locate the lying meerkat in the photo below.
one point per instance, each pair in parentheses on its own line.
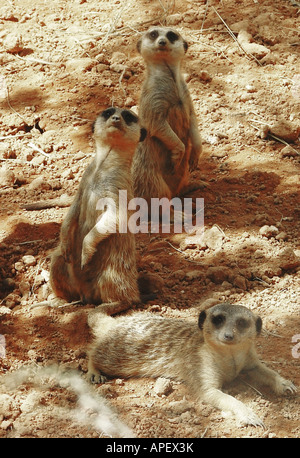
(203,355)
(94,262)
(161,165)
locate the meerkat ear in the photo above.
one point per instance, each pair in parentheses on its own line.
(143,134)
(258,325)
(185,46)
(138,45)
(93,126)
(201,319)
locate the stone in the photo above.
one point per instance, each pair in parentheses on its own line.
(245,39)
(7,177)
(288,260)
(163,386)
(213,238)
(13,43)
(29,260)
(285,130)
(268,231)
(218,274)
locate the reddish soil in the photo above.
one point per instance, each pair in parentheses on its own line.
(61,64)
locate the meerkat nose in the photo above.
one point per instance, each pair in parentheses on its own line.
(162,42)
(115,118)
(228,337)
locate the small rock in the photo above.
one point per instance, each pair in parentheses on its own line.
(31,402)
(13,43)
(281,236)
(288,260)
(245,39)
(204,76)
(193,274)
(80,64)
(19,266)
(285,130)
(39,160)
(5,404)
(268,231)
(29,260)
(288,151)
(163,386)
(240,282)
(67,174)
(39,183)
(218,274)
(7,177)
(24,288)
(213,238)
(179,407)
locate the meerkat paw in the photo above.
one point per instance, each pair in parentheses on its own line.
(86,255)
(96,377)
(248,417)
(284,386)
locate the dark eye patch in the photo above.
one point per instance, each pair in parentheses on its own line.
(172,36)
(153,34)
(129,117)
(242,323)
(218,320)
(106,114)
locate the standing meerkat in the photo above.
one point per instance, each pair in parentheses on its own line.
(162,164)
(203,355)
(94,262)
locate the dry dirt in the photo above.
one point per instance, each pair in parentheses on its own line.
(61,64)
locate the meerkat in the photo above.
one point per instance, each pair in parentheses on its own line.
(204,355)
(95,262)
(161,166)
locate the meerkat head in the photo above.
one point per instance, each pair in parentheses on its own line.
(119,129)
(162,43)
(228,324)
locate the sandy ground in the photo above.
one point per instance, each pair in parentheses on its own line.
(61,64)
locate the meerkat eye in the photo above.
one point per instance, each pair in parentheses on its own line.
(218,320)
(153,35)
(128,117)
(106,114)
(172,36)
(242,323)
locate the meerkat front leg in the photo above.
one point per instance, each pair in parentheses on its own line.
(105,226)
(227,403)
(172,142)
(68,228)
(196,143)
(261,374)
(212,394)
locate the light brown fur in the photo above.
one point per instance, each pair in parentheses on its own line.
(94,262)
(204,356)
(162,164)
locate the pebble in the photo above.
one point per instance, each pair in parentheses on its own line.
(285,130)
(268,231)
(288,260)
(288,151)
(80,64)
(245,39)
(7,177)
(163,386)
(13,43)
(213,238)
(29,260)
